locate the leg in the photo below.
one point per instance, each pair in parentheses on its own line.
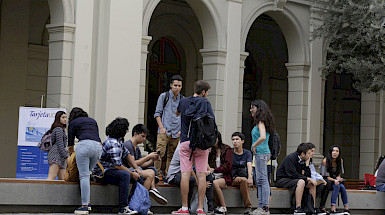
(161,144)
(53,171)
(121,178)
(299,192)
(83,163)
(149,176)
(312,191)
(344,196)
(186,168)
(244,188)
(172,144)
(210,193)
(336,190)
(61,174)
(324,195)
(201,188)
(262,180)
(220,184)
(201,158)
(184,188)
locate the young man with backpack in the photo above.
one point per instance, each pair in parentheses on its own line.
(168,121)
(191,110)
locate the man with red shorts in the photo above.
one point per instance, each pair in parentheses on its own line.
(192,108)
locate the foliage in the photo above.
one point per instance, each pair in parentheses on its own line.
(354,31)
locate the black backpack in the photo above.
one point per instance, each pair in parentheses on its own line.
(203,133)
(274,145)
(167,97)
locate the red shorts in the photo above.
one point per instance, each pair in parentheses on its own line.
(200,157)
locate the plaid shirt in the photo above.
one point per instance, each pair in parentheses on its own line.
(113,154)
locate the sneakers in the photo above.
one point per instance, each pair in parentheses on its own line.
(127,211)
(154,193)
(257,211)
(82,210)
(220,210)
(150,212)
(248,211)
(181,212)
(319,211)
(335,212)
(89,207)
(299,211)
(347,212)
(200,212)
(210,213)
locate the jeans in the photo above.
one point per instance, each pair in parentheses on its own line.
(337,189)
(381,188)
(88,153)
(121,178)
(262,182)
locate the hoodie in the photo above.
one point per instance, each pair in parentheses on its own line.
(192,108)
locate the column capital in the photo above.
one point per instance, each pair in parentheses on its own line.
(244,55)
(213,52)
(298,70)
(61,28)
(279,4)
(146,40)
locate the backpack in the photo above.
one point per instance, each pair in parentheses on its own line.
(139,199)
(72,173)
(46,142)
(274,145)
(203,132)
(307,202)
(167,97)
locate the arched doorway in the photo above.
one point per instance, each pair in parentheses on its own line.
(342,120)
(164,62)
(265,75)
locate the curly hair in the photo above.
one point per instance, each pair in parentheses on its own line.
(264,115)
(118,128)
(57,122)
(77,112)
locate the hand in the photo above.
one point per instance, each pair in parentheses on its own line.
(250,182)
(139,171)
(211,170)
(178,134)
(208,184)
(324,182)
(336,182)
(162,130)
(153,156)
(254,150)
(135,176)
(313,182)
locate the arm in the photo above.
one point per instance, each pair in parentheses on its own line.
(134,175)
(250,173)
(228,165)
(131,161)
(162,130)
(262,137)
(71,138)
(158,113)
(59,141)
(291,171)
(148,160)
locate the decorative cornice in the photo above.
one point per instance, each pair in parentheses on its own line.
(146,40)
(279,4)
(61,28)
(244,55)
(213,52)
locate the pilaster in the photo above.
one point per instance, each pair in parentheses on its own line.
(243,57)
(143,73)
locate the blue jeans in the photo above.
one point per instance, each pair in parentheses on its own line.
(121,178)
(262,180)
(337,189)
(381,188)
(88,153)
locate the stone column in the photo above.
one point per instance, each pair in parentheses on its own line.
(369,132)
(297,118)
(61,38)
(240,91)
(143,74)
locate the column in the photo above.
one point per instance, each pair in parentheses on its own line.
(240,91)
(298,80)
(369,132)
(143,74)
(82,79)
(61,38)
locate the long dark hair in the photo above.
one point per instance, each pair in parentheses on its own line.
(118,128)
(213,152)
(329,160)
(77,112)
(379,161)
(57,122)
(264,115)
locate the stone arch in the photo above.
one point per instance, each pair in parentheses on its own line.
(297,42)
(62,11)
(208,16)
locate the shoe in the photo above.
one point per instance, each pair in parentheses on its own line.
(335,212)
(299,211)
(220,210)
(200,212)
(319,211)
(89,207)
(210,213)
(150,212)
(82,210)
(127,211)
(257,211)
(248,211)
(157,179)
(154,193)
(347,212)
(181,212)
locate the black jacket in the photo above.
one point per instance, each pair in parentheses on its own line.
(292,168)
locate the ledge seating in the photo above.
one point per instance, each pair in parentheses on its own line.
(21,195)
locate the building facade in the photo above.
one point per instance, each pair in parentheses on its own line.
(114,57)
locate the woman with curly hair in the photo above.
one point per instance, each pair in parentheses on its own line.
(113,156)
(88,151)
(263,127)
(58,154)
(332,167)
